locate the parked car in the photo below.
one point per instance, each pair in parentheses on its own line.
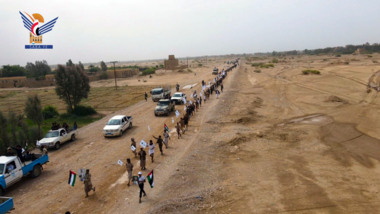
(54,138)
(177,97)
(117,125)
(12,169)
(164,107)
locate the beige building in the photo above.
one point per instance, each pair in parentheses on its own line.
(171,63)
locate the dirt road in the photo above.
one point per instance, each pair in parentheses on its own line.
(274,142)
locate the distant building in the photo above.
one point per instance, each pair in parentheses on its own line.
(171,63)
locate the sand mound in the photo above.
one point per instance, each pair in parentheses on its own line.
(335,99)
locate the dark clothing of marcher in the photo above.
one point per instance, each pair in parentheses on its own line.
(160,143)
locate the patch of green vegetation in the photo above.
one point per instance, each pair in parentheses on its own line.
(275,60)
(309,71)
(257,71)
(148,71)
(262,65)
(67,118)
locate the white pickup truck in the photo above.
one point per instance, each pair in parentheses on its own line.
(54,138)
(117,125)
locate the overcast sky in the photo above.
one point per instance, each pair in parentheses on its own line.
(92,30)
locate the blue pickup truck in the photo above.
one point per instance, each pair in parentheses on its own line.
(6,204)
(12,170)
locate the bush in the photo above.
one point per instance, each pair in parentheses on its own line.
(274,60)
(262,65)
(200,65)
(49,112)
(148,71)
(257,71)
(103,75)
(307,72)
(83,110)
(34,135)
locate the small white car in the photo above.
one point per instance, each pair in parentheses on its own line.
(178,98)
(117,125)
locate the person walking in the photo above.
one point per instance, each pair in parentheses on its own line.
(159,142)
(141,185)
(129,166)
(166,139)
(133,143)
(142,155)
(178,127)
(221,87)
(217,93)
(146,96)
(151,150)
(87,183)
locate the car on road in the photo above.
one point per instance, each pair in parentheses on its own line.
(117,125)
(178,97)
(215,71)
(12,169)
(160,93)
(54,138)
(164,107)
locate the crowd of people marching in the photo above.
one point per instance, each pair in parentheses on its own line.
(191,107)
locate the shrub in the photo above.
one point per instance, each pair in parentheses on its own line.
(49,112)
(274,60)
(200,64)
(338,55)
(257,71)
(80,110)
(262,65)
(148,71)
(103,75)
(34,134)
(306,72)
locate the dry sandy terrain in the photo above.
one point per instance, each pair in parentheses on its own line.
(274,142)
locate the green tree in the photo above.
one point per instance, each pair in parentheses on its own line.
(33,110)
(69,63)
(38,70)
(93,69)
(81,65)
(3,132)
(12,71)
(72,85)
(103,66)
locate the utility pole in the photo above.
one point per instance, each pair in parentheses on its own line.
(114,73)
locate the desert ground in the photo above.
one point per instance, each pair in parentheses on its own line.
(276,141)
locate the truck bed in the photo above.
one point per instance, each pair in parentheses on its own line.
(29,165)
(6,204)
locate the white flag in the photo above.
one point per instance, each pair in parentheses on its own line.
(190,102)
(143,144)
(172,120)
(177,113)
(133,148)
(120,162)
(38,143)
(184,100)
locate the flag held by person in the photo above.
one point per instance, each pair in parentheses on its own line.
(150,179)
(166,128)
(72,178)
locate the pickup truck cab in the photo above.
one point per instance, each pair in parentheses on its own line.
(164,107)
(117,125)
(177,97)
(215,71)
(160,93)
(54,138)
(12,170)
